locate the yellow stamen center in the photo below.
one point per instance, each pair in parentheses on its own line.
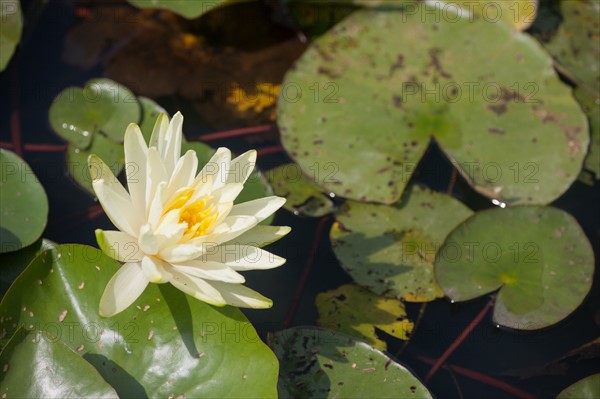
(198,215)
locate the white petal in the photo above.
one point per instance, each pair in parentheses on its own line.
(157,205)
(113,197)
(209,271)
(147,240)
(183,175)
(197,288)
(260,208)
(215,168)
(242,257)
(118,245)
(240,296)
(156,174)
(227,193)
(183,252)
(231,227)
(136,153)
(259,236)
(123,289)
(155,270)
(170,231)
(172,148)
(241,167)
(157,139)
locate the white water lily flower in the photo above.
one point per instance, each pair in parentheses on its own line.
(179,227)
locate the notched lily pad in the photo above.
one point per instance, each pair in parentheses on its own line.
(370,104)
(303,196)
(317,363)
(163,336)
(391,249)
(55,371)
(358,312)
(23,204)
(537,257)
(101,107)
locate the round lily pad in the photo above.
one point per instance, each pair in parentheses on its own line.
(23,204)
(77,160)
(55,371)
(317,363)
(587,388)
(185,8)
(391,249)
(355,311)
(303,196)
(590,103)
(166,343)
(537,257)
(101,107)
(369,95)
(10,34)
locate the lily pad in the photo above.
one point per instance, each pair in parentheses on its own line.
(391,249)
(537,257)
(370,104)
(102,106)
(185,8)
(357,312)
(317,363)
(55,371)
(23,204)
(13,263)
(590,103)
(576,44)
(303,196)
(77,160)
(519,14)
(587,388)
(165,344)
(10,34)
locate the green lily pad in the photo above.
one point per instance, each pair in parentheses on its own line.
(538,257)
(185,8)
(77,160)
(519,14)
(23,204)
(37,365)
(317,363)
(13,263)
(357,312)
(587,388)
(303,196)
(150,112)
(102,106)
(590,103)
(10,34)
(391,249)
(165,344)
(370,104)
(576,44)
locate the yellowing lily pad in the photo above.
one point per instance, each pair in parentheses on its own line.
(10,34)
(370,94)
(391,249)
(165,336)
(303,196)
(358,312)
(537,257)
(317,363)
(101,107)
(54,370)
(23,204)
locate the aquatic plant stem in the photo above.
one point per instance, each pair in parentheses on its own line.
(15,119)
(459,340)
(484,379)
(291,313)
(237,132)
